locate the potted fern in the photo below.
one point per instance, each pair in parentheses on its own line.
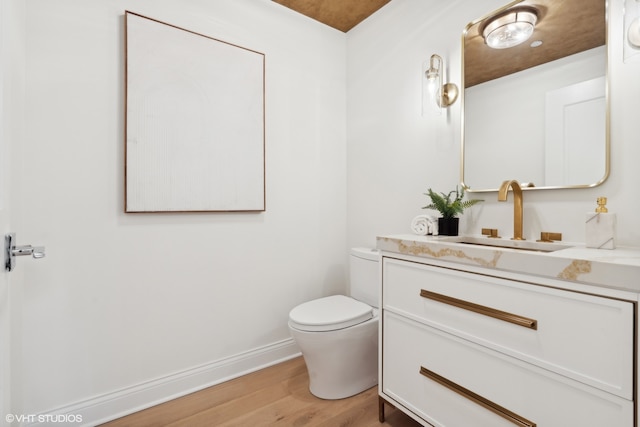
(449,207)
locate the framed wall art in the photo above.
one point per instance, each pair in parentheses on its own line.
(195,138)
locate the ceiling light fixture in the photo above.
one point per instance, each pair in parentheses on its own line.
(510,29)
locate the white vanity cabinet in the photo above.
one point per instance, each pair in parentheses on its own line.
(467,346)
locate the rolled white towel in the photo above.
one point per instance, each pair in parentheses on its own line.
(424,224)
(420,225)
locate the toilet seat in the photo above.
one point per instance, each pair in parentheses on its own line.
(329,314)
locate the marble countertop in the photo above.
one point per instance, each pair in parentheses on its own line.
(612,268)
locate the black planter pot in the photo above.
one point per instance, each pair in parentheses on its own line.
(448,226)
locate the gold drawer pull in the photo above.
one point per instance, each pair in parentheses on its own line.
(487,311)
(493,407)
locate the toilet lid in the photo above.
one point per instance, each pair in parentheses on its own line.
(329,314)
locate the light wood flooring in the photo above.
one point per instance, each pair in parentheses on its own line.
(275,396)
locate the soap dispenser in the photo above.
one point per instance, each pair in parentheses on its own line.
(600,230)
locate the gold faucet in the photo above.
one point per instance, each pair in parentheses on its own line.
(517,205)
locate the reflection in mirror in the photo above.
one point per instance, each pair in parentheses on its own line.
(537,112)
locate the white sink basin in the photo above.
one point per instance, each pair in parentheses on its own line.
(526,245)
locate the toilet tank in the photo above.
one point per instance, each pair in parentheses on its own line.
(364,282)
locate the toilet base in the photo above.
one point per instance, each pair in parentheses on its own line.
(340,363)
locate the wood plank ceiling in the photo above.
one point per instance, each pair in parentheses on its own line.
(564,27)
(342,15)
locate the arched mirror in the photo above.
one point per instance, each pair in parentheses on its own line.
(537,111)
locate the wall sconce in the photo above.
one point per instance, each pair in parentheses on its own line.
(443,94)
(511,28)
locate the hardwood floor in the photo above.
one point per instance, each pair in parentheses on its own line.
(275,396)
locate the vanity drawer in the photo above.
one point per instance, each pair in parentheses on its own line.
(584,337)
(451,382)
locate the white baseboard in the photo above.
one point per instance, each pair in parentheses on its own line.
(126,401)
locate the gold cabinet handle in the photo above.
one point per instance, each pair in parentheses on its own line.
(481,309)
(486,403)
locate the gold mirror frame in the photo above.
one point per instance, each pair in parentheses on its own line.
(474,25)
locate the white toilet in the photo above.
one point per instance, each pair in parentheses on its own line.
(338,335)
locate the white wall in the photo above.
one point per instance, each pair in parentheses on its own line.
(125,299)
(395,154)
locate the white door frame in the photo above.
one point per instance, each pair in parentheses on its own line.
(12,71)
(5,300)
